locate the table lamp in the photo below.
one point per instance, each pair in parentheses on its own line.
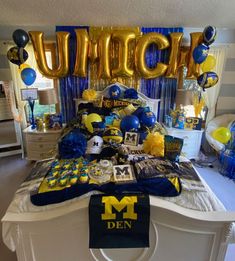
(183,97)
(47,97)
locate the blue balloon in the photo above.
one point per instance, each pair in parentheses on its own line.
(20,37)
(130,123)
(28,76)
(200,53)
(147,119)
(114,92)
(209,34)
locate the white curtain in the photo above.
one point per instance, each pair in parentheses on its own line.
(211,94)
(18,84)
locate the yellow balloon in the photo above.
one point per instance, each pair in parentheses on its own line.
(209,64)
(162,43)
(93,117)
(23,66)
(63,54)
(222,134)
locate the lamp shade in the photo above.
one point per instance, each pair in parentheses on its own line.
(183,97)
(47,96)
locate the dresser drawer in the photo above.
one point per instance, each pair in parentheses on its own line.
(192,141)
(41,146)
(48,137)
(39,155)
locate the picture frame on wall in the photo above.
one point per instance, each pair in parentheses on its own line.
(29,93)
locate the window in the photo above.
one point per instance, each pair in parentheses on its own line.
(197,99)
(42,82)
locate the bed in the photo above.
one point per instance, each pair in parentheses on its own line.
(191,226)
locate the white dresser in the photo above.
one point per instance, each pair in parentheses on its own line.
(192,141)
(41,144)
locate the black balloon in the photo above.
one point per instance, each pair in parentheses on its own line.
(17,55)
(20,37)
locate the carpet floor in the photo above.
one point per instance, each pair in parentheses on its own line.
(13,170)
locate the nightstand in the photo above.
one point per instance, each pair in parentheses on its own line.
(192,141)
(41,144)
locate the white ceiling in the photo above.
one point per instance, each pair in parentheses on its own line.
(45,14)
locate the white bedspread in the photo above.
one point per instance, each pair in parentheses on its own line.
(20,209)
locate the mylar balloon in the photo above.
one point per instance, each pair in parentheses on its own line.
(221,134)
(208,64)
(28,76)
(200,53)
(17,55)
(209,35)
(20,37)
(207,79)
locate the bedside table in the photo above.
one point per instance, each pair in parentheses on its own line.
(41,144)
(192,141)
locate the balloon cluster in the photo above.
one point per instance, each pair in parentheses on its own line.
(207,62)
(18,55)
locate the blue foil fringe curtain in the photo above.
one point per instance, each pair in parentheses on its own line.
(71,87)
(160,88)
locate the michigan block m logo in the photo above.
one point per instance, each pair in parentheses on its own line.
(111,202)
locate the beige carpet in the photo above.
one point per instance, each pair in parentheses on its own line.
(13,170)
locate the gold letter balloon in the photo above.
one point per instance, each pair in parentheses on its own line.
(142,45)
(172,69)
(123,38)
(63,54)
(80,68)
(104,56)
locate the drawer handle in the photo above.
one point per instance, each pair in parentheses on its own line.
(185,137)
(39,138)
(41,146)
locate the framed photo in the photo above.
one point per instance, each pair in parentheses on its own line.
(123,173)
(131,138)
(29,93)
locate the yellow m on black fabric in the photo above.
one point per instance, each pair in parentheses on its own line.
(119,221)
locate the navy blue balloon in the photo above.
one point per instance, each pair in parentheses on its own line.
(200,53)
(130,123)
(114,92)
(20,37)
(17,55)
(28,76)
(209,34)
(207,79)
(147,119)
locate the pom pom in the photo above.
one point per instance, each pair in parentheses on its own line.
(89,95)
(73,145)
(154,144)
